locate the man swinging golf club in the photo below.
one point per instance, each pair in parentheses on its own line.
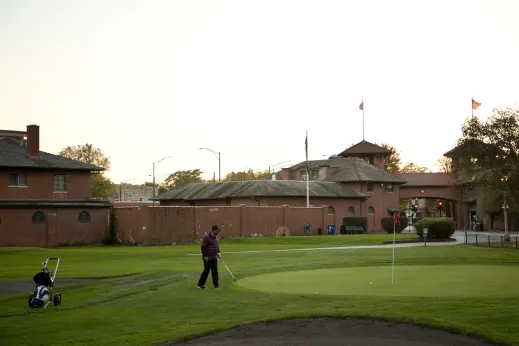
(210,252)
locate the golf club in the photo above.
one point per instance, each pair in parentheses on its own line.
(221,259)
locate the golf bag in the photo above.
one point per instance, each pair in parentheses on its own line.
(41,293)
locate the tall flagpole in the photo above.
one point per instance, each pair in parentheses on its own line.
(362,118)
(472,105)
(307,174)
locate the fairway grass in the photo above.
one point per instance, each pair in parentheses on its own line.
(463,281)
(148,296)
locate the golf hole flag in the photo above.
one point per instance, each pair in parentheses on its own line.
(396,220)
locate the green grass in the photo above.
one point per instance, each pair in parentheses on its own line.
(160,302)
(462,281)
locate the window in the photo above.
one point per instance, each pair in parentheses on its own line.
(84,216)
(370,187)
(351,211)
(389,187)
(371,211)
(17,179)
(315,174)
(331,211)
(302,175)
(60,183)
(39,217)
(291,176)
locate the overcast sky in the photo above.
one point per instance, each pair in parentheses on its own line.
(143,80)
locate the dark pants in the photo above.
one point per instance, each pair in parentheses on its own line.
(211,265)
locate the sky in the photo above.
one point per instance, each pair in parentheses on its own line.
(144,80)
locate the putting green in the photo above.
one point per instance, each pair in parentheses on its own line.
(426,281)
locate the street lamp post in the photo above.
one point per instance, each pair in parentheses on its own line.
(277,164)
(505,211)
(155,164)
(217,154)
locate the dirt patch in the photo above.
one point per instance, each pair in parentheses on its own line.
(27,286)
(335,332)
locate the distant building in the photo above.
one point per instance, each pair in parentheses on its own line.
(131,193)
(45,199)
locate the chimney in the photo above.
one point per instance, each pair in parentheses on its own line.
(33,141)
(273,176)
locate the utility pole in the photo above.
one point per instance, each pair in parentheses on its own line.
(218,156)
(155,164)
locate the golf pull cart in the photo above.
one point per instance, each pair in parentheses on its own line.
(44,292)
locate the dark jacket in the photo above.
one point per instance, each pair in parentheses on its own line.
(210,246)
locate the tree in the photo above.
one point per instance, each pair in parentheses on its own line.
(245,175)
(414,168)
(491,156)
(182,178)
(444,164)
(87,153)
(392,162)
(101,186)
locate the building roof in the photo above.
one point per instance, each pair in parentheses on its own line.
(428,179)
(365,148)
(259,188)
(13,155)
(351,169)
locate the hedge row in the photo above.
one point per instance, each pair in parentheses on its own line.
(438,227)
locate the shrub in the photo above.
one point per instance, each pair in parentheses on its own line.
(354,221)
(387,224)
(438,227)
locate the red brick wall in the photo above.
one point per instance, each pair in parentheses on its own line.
(40,186)
(167,225)
(61,227)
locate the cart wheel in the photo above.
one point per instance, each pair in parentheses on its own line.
(57,299)
(30,299)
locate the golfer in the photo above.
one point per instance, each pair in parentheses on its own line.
(210,253)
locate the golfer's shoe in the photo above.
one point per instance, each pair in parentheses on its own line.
(217,288)
(200,287)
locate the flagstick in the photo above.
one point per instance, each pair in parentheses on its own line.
(307,176)
(393,265)
(472,105)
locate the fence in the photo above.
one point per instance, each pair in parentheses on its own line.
(491,240)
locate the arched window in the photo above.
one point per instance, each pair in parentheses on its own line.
(84,216)
(39,217)
(371,211)
(331,211)
(351,211)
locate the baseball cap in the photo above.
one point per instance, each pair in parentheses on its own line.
(215,228)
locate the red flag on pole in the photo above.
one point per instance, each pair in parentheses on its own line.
(396,220)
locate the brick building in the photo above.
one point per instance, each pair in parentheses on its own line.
(372,191)
(45,199)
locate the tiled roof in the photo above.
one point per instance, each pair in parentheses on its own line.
(365,148)
(428,179)
(259,188)
(15,156)
(351,169)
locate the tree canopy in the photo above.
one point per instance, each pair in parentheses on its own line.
(249,174)
(87,153)
(490,155)
(182,178)
(392,162)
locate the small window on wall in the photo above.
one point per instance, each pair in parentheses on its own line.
(60,183)
(371,211)
(331,211)
(369,187)
(17,179)
(315,174)
(39,217)
(351,211)
(389,187)
(84,216)
(291,176)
